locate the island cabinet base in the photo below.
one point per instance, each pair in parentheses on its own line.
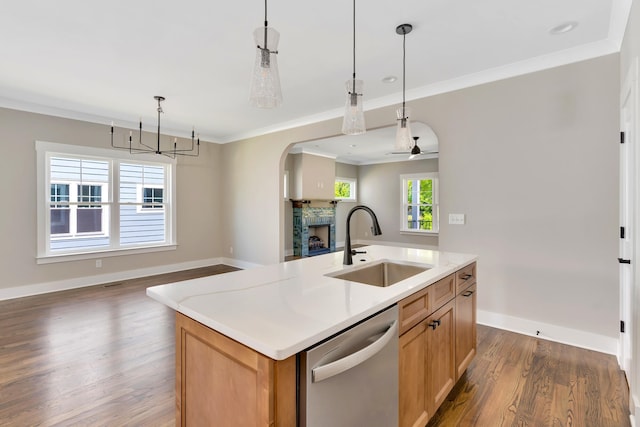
(220,382)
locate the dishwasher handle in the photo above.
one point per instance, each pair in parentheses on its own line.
(329,370)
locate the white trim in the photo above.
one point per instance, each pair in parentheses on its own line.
(245,265)
(561,334)
(103,253)
(81,282)
(399,244)
(435,202)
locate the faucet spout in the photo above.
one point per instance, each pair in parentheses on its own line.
(375,229)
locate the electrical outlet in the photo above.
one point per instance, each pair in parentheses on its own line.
(366,234)
(98,263)
(231,250)
(456,219)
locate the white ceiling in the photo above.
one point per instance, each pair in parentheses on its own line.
(103,61)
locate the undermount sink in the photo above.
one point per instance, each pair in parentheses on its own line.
(382,274)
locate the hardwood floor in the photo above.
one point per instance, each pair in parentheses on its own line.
(516,380)
(97,356)
(104,356)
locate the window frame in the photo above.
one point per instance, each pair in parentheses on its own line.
(46,150)
(404,203)
(353,184)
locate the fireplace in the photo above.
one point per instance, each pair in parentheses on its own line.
(314,228)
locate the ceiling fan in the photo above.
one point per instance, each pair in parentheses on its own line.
(415,151)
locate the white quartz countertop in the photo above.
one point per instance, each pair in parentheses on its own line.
(282,309)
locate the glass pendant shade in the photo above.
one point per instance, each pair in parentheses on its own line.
(265,83)
(353,123)
(404,141)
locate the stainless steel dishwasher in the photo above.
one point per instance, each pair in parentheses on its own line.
(351,379)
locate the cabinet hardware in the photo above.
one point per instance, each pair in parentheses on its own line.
(624,261)
(467,294)
(433,325)
(466,276)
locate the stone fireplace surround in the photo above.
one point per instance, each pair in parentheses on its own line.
(308,217)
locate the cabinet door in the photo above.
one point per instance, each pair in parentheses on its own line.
(412,381)
(220,382)
(465,329)
(441,369)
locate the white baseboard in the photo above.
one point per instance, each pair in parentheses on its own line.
(245,265)
(547,331)
(635,410)
(400,244)
(80,282)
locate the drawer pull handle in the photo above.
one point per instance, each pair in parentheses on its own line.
(466,276)
(467,294)
(433,325)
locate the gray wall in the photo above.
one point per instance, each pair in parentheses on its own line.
(380,189)
(197,186)
(531,161)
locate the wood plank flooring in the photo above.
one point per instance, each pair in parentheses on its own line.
(96,356)
(516,380)
(104,356)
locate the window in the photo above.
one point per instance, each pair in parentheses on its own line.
(97,202)
(152,197)
(345,189)
(420,203)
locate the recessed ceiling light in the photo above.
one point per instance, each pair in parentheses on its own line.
(353,146)
(565,27)
(389,79)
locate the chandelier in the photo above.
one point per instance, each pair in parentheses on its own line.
(141,147)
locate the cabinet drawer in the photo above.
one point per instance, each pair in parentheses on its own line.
(443,291)
(414,308)
(465,276)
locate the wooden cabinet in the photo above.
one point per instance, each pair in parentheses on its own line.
(441,368)
(465,328)
(427,341)
(414,401)
(437,343)
(224,383)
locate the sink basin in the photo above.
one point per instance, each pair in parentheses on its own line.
(384,273)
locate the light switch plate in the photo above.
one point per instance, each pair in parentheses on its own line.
(456,219)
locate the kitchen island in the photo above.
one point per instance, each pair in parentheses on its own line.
(254,322)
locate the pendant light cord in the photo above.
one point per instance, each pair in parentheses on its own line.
(404,66)
(354,45)
(266,24)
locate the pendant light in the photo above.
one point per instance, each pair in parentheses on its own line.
(265,83)
(353,123)
(403,134)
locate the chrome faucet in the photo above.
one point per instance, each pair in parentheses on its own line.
(375,229)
